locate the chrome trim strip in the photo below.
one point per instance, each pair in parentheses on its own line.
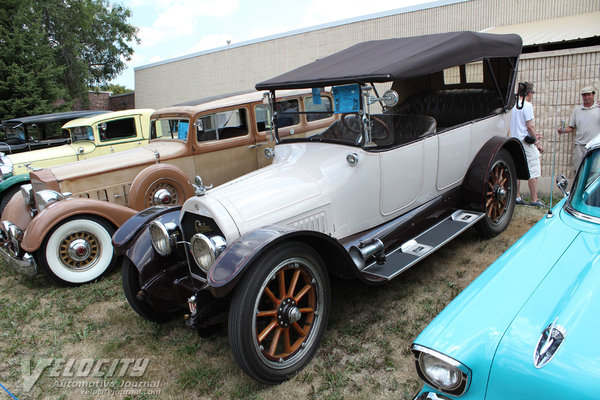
(430,396)
(26,266)
(579,215)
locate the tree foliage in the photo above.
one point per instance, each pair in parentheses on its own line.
(55,49)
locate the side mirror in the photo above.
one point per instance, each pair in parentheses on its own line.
(102,126)
(563,185)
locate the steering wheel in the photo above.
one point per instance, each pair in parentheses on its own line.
(356,129)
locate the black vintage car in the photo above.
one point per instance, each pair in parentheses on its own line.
(38,131)
(396,177)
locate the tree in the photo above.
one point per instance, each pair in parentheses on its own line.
(56,49)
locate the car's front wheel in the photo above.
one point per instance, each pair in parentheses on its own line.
(279,313)
(78,250)
(131,286)
(499,195)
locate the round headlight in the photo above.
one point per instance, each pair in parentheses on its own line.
(440,373)
(160,238)
(205,250)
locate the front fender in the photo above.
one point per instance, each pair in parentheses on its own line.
(123,237)
(20,179)
(42,223)
(474,184)
(241,254)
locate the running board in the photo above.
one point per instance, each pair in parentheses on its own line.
(416,249)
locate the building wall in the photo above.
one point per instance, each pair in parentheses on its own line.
(240,67)
(558,77)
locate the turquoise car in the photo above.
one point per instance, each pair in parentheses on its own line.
(528,327)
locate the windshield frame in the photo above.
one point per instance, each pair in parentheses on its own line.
(583,182)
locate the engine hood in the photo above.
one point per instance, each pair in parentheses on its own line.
(121,160)
(45,157)
(270,195)
(471,328)
(569,296)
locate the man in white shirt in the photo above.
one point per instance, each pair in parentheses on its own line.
(585,120)
(523,128)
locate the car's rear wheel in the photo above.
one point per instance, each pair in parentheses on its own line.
(78,250)
(279,313)
(499,195)
(131,286)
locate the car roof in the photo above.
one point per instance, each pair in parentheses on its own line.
(210,103)
(115,114)
(54,117)
(399,58)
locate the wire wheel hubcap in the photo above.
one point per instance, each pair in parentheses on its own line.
(79,251)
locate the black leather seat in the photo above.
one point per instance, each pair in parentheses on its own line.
(452,107)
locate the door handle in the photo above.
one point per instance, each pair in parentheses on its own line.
(253,146)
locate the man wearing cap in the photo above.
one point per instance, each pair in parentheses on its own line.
(585,120)
(523,128)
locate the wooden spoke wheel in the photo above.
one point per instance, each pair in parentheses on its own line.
(499,196)
(279,313)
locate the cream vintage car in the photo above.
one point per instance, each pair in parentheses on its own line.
(69,235)
(90,136)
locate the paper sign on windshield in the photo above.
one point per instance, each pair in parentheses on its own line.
(346,98)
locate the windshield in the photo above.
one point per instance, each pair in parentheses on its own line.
(169,128)
(586,193)
(79,133)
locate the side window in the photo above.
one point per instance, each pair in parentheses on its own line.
(81,133)
(474,72)
(169,129)
(118,129)
(223,125)
(452,76)
(263,117)
(323,109)
(287,113)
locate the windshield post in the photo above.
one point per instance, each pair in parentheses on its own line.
(365,115)
(273,128)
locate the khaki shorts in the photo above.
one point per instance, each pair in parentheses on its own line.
(533,160)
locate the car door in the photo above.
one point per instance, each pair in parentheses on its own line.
(225,147)
(116,135)
(408,175)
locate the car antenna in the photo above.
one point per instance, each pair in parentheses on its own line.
(562,125)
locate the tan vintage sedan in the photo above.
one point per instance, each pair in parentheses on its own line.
(63,221)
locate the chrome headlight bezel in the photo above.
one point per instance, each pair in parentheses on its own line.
(163,237)
(6,166)
(46,197)
(205,250)
(428,362)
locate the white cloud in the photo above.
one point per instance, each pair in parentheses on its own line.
(182,17)
(208,42)
(150,36)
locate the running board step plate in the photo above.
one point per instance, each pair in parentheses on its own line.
(424,244)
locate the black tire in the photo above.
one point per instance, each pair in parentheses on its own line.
(131,286)
(499,197)
(78,250)
(260,315)
(8,194)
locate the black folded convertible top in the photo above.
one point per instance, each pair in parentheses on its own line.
(394,59)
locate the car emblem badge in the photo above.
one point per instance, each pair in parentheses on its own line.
(549,342)
(201,227)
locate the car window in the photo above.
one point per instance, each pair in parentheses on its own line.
(262,114)
(586,195)
(322,108)
(222,125)
(169,128)
(117,129)
(287,113)
(79,133)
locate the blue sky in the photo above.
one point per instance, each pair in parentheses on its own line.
(174,28)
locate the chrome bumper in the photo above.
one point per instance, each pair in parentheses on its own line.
(430,396)
(26,266)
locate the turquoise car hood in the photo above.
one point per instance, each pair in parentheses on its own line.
(570,296)
(516,288)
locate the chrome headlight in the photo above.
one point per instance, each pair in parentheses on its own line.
(164,237)
(6,166)
(44,198)
(205,250)
(441,372)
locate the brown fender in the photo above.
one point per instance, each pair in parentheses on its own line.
(17,212)
(42,223)
(155,177)
(474,184)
